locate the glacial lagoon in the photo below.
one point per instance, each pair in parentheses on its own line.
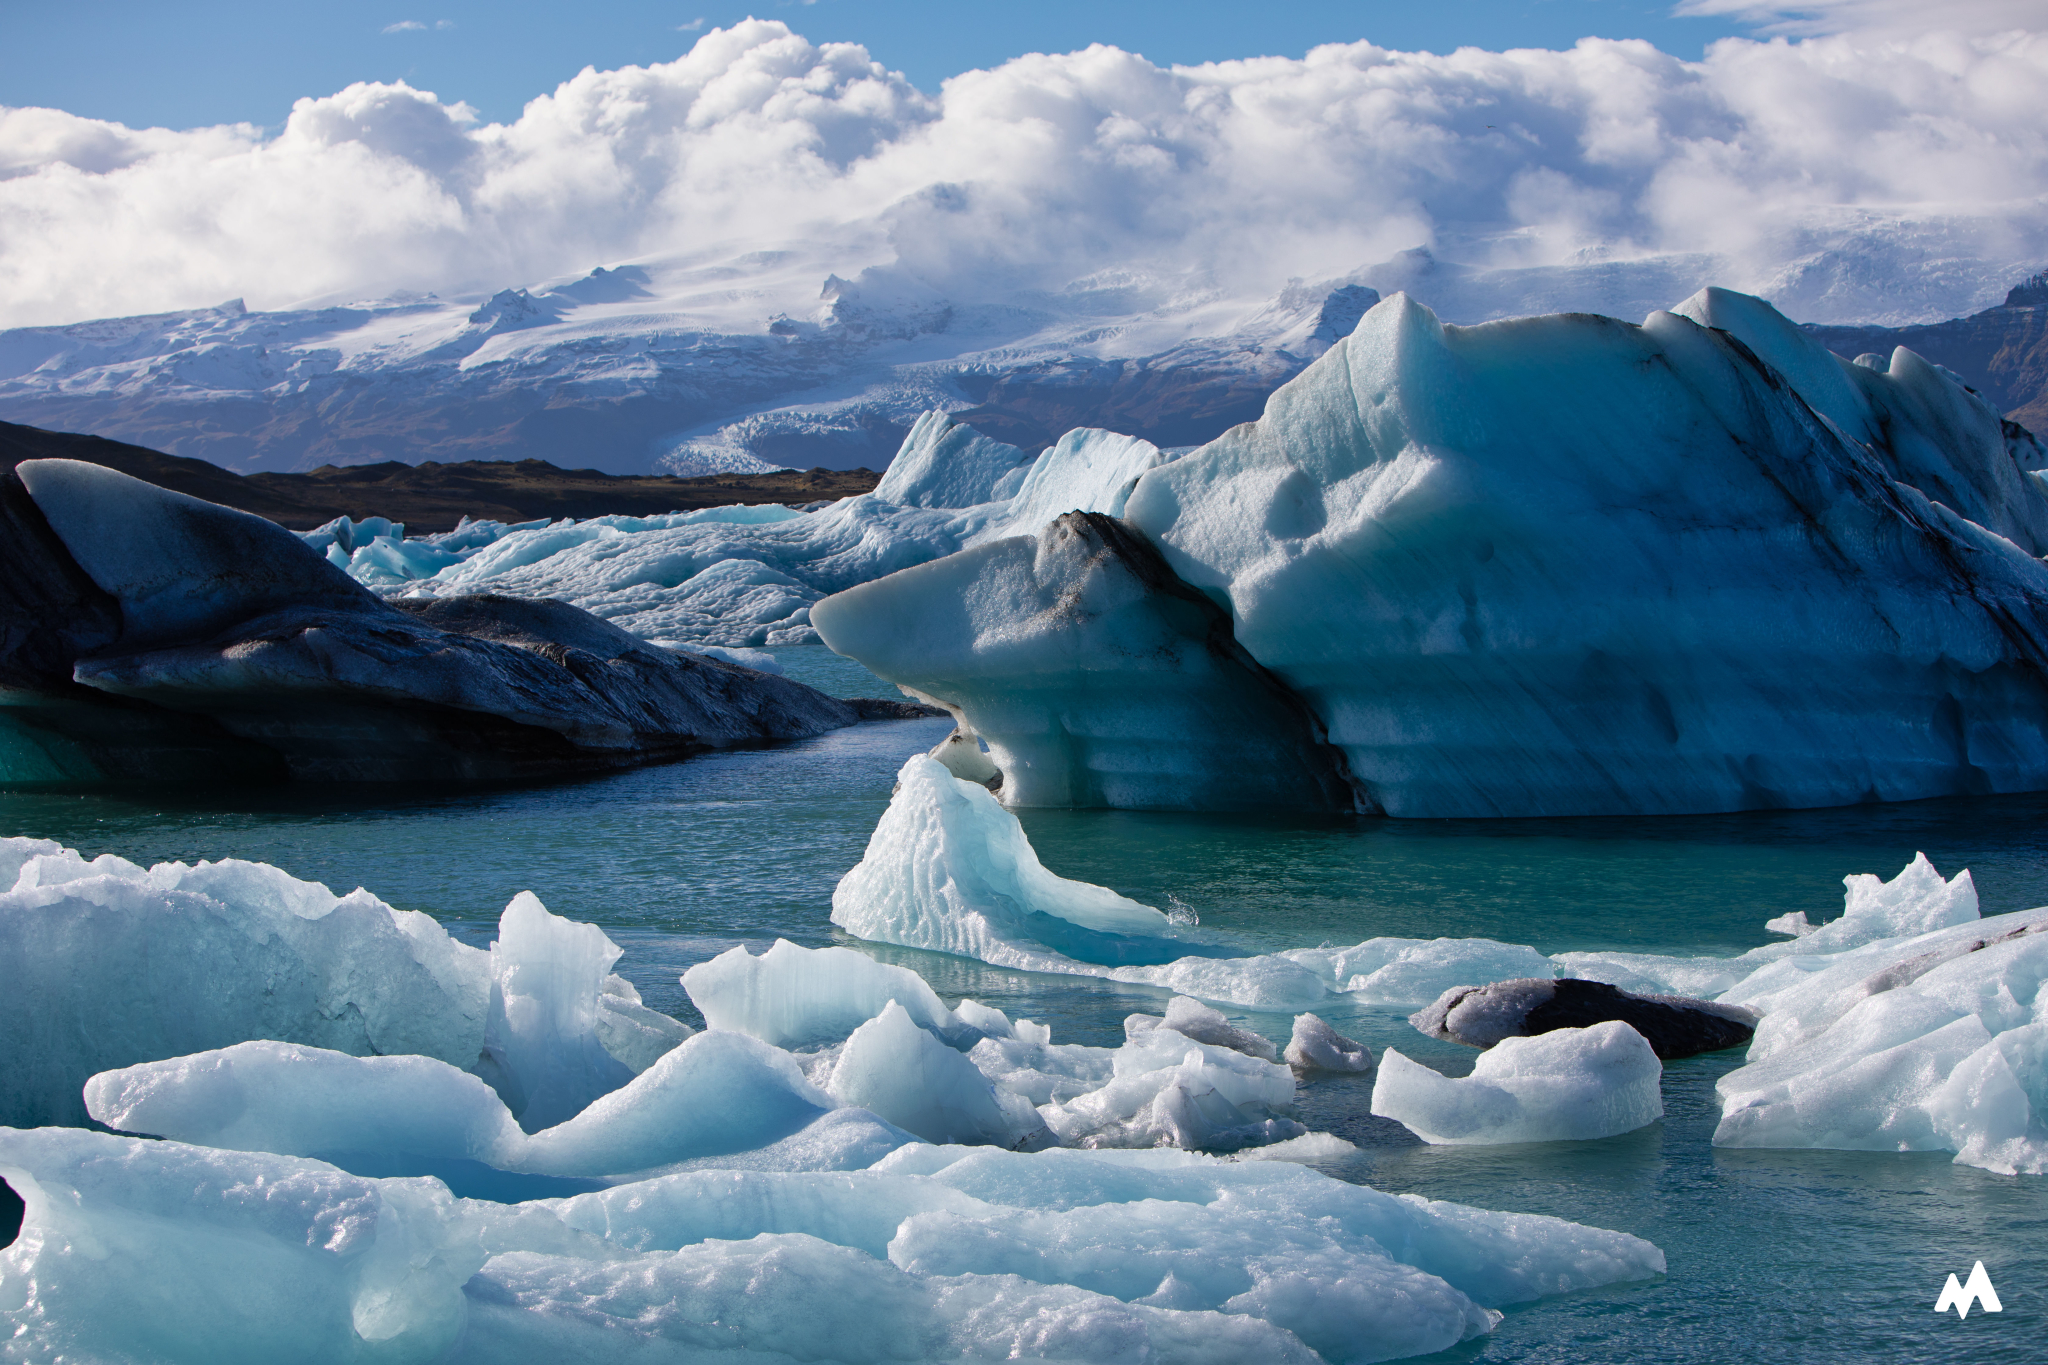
(1774,1255)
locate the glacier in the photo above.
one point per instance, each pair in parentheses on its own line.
(1543,566)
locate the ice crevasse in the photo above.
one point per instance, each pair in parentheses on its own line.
(1541,566)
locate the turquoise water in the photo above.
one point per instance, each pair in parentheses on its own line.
(1774,1256)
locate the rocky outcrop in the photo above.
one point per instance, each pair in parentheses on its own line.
(188,624)
(1674,1025)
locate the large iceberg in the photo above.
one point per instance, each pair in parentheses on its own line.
(1543,566)
(133,1249)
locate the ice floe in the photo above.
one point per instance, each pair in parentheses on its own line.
(132,1249)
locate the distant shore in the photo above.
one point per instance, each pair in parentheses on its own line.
(433,497)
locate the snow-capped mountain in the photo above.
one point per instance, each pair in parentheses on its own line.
(762,359)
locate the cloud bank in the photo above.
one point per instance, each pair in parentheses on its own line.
(1052,168)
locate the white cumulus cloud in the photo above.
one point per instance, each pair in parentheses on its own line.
(1048,169)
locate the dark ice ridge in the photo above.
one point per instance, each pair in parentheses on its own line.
(149,635)
(1674,1025)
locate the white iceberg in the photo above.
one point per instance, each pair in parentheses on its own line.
(1315,1046)
(1565,1085)
(1169,1090)
(795,997)
(950,870)
(713,1096)
(898,1071)
(133,1249)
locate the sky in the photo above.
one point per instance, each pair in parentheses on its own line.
(165,156)
(149,63)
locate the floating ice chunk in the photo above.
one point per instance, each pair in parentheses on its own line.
(113,965)
(896,1070)
(1901,1045)
(158,1251)
(1170,1090)
(541,1047)
(1793,924)
(110,965)
(1993,1107)
(631,1032)
(716,1093)
(1123,1222)
(719,1094)
(796,997)
(308,1101)
(1192,1019)
(949,869)
(1400,971)
(1566,1085)
(1316,1046)
(1027,1062)
(1308,1149)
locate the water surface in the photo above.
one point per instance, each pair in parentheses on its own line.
(1774,1256)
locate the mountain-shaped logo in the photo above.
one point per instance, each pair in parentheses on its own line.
(1976,1290)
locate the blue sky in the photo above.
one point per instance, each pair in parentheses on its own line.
(150,63)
